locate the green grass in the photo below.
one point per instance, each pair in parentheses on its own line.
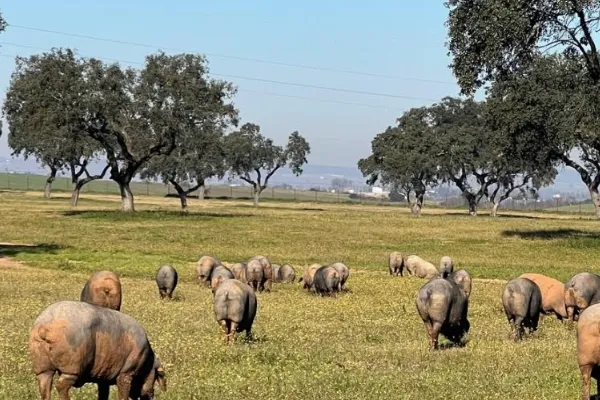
(367,344)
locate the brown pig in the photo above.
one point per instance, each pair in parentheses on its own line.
(581,291)
(309,274)
(553,294)
(204,268)
(103,289)
(268,272)
(84,343)
(588,348)
(218,274)
(239,272)
(396,263)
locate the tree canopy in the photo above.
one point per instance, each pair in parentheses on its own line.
(43,107)
(403,156)
(255,159)
(490,39)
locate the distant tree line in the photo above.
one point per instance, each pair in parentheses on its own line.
(538,64)
(167,121)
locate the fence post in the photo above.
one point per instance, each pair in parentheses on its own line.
(231,192)
(147,188)
(295,198)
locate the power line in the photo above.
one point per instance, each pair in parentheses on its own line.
(226,56)
(285,83)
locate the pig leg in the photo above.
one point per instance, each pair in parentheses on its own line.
(45,384)
(64,384)
(434,334)
(103,391)
(225,327)
(519,328)
(232,330)
(124,386)
(248,335)
(586,376)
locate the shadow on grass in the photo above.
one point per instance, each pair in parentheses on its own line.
(116,215)
(552,234)
(283,208)
(11,250)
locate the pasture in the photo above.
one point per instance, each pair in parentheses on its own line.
(369,343)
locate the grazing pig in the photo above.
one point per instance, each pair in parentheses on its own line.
(166,280)
(239,272)
(255,274)
(309,274)
(396,263)
(581,291)
(553,294)
(235,308)
(103,289)
(343,271)
(275,272)
(418,267)
(588,348)
(218,274)
(326,281)
(287,274)
(204,268)
(84,343)
(268,272)
(443,306)
(463,279)
(446,266)
(522,301)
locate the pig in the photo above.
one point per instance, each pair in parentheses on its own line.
(581,291)
(462,278)
(239,272)
(343,272)
(553,294)
(268,272)
(275,271)
(396,263)
(443,305)
(219,273)
(103,289)
(235,308)
(418,267)
(255,273)
(204,268)
(326,280)
(287,274)
(166,280)
(446,266)
(307,278)
(588,348)
(84,343)
(522,301)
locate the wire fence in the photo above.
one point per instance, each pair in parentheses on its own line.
(33,182)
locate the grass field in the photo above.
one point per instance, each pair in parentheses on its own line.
(367,344)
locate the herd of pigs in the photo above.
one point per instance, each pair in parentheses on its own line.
(443,303)
(91,341)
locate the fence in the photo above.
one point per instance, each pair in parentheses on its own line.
(16,181)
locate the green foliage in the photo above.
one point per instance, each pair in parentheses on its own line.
(249,152)
(405,156)
(43,107)
(490,39)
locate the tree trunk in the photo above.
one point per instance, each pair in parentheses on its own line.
(75,194)
(418,206)
(494,212)
(201,192)
(472,206)
(48,187)
(256,197)
(596,201)
(126,197)
(182,195)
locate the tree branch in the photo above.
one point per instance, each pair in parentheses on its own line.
(269,175)
(590,40)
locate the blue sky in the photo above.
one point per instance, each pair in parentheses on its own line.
(403,39)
